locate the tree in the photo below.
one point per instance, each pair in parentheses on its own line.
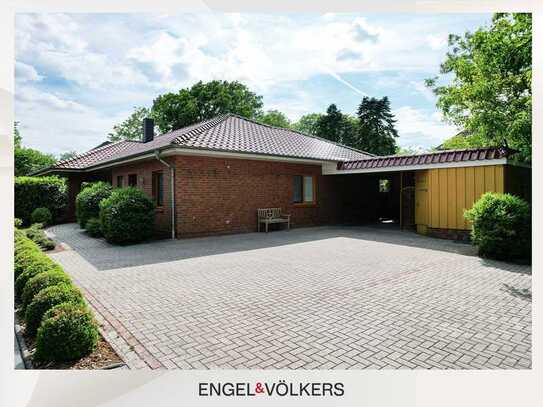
(204,101)
(335,126)
(131,128)
(461,140)
(67,155)
(307,124)
(28,160)
(275,118)
(490,94)
(376,132)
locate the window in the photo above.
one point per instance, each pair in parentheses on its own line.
(133,180)
(158,188)
(384,185)
(119,181)
(303,189)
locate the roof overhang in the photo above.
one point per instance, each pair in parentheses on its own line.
(329,169)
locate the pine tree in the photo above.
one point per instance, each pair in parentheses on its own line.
(376,132)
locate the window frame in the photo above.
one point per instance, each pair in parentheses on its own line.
(303,202)
(121,179)
(159,203)
(129,180)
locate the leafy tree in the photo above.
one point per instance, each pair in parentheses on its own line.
(376,132)
(460,141)
(28,160)
(336,126)
(131,128)
(308,124)
(275,118)
(67,155)
(490,94)
(204,101)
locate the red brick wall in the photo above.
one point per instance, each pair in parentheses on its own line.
(144,171)
(218,195)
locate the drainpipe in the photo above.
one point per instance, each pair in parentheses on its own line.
(172,188)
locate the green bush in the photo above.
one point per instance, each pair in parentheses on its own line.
(41,215)
(501,227)
(67,332)
(26,252)
(39,264)
(127,216)
(41,281)
(87,202)
(47,299)
(38,236)
(93,227)
(18,223)
(39,192)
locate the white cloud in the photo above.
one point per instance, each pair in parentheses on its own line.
(437,42)
(418,128)
(420,87)
(26,73)
(36,99)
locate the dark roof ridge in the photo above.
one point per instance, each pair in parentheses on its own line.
(303,134)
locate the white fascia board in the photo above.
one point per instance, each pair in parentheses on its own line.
(330,169)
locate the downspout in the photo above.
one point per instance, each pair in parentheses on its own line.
(172,189)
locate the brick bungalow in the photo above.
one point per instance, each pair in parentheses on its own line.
(211,177)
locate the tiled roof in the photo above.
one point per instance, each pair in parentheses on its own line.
(229,133)
(438,157)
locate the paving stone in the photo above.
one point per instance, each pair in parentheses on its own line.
(314,298)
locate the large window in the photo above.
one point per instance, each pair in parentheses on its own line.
(119,181)
(133,180)
(304,191)
(158,188)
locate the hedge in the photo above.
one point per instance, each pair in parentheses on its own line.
(39,192)
(41,281)
(41,215)
(47,299)
(501,227)
(38,236)
(93,227)
(38,265)
(87,202)
(127,216)
(67,332)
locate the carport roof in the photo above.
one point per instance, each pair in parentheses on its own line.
(427,159)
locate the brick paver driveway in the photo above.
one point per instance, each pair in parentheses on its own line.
(330,297)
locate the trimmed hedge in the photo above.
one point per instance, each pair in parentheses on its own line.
(39,264)
(93,227)
(47,299)
(127,216)
(38,236)
(87,202)
(41,281)
(41,215)
(39,192)
(26,253)
(67,332)
(501,227)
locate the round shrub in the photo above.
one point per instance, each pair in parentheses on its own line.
(25,255)
(47,299)
(41,281)
(127,216)
(39,192)
(38,236)
(87,202)
(41,215)
(18,223)
(501,227)
(40,264)
(93,227)
(67,332)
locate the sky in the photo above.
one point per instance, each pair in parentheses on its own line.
(77,75)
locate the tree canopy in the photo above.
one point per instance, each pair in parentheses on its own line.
(335,126)
(204,101)
(490,94)
(27,160)
(376,132)
(131,128)
(274,118)
(308,123)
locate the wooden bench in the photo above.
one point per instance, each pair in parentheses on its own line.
(272,215)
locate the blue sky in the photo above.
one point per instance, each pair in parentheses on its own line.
(79,74)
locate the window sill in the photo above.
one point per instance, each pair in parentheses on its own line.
(305,204)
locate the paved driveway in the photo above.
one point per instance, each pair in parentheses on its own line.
(315,298)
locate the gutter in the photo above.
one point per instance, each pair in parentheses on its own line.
(172,190)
